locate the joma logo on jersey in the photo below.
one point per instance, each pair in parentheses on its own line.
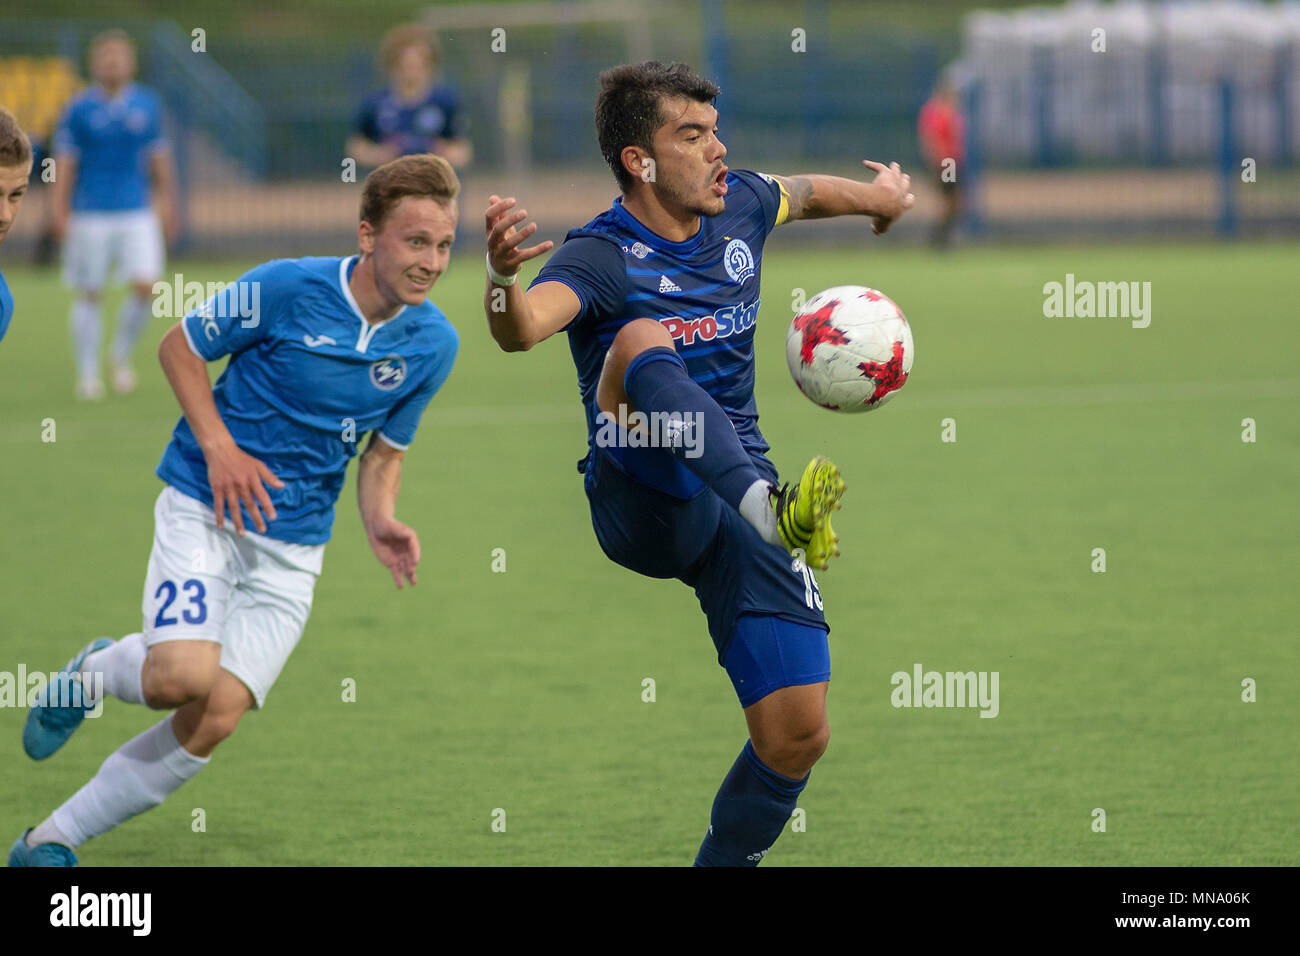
(388,373)
(729,320)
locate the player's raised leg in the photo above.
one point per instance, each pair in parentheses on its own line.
(644,373)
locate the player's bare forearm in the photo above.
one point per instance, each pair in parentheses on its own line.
(236,477)
(369,153)
(509,317)
(188,376)
(457,151)
(817,196)
(518,320)
(379,478)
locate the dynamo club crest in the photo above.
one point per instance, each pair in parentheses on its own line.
(739,261)
(388,373)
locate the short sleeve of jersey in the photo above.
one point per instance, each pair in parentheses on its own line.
(776,204)
(595,270)
(240,315)
(399,428)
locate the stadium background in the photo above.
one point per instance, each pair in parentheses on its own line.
(1063,140)
(523,690)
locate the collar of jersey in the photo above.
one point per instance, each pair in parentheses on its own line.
(368,330)
(659,242)
(101,95)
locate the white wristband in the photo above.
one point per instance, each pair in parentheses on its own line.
(496,277)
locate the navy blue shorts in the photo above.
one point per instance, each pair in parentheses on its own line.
(707,545)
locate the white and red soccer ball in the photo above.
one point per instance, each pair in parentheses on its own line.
(849,348)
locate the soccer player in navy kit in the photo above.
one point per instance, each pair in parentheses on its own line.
(330,349)
(659,297)
(15,171)
(415,113)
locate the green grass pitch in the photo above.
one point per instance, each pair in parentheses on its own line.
(522,690)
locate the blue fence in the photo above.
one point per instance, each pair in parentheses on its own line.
(1040,102)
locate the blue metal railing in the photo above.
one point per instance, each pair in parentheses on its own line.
(201,95)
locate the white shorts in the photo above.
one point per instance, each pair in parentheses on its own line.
(96,242)
(251,595)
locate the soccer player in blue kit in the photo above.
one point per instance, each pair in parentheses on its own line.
(113,198)
(659,297)
(331,348)
(15,170)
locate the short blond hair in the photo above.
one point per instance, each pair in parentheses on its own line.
(406,35)
(420,174)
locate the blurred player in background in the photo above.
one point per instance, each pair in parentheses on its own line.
(416,113)
(333,348)
(111,162)
(659,296)
(15,170)
(942,133)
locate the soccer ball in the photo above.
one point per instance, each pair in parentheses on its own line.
(849,348)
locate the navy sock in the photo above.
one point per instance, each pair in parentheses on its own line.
(656,381)
(749,812)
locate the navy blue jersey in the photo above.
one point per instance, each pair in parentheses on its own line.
(308,376)
(703,290)
(386,118)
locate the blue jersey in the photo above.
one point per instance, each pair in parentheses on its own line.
(6,306)
(412,127)
(112,141)
(703,290)
(308,376)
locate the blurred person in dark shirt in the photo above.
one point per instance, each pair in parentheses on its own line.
(416,112)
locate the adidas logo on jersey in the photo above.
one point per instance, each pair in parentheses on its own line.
(668,285)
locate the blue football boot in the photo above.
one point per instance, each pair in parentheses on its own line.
(60,708)
(43,854)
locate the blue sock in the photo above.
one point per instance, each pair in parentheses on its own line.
(656,381)
(749,812)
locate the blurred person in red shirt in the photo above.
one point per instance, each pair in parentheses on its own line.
(942,134)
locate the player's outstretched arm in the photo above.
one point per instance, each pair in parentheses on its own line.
(234,475)
(518,319)
(379,477)
(884,199)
